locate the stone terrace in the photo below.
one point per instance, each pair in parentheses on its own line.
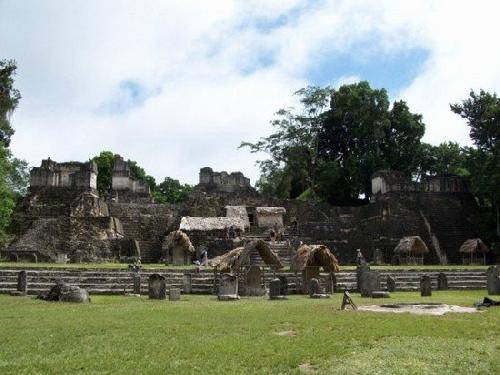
(113,281)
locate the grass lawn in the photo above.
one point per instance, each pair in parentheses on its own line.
(154,266)
(200,335)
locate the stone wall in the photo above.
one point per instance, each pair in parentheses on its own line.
(124,187)
(64,175)
(224,182)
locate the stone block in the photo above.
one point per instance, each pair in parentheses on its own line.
(425,286)
(275,290)
(137,282)
(380,294)
(442,281)
(187,283)
(368,280)
(391,283)
(228,288)
(156,287)
(174,294)
(493,280)
(22,282)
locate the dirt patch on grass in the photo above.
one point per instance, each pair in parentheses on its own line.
(307,368)
(286,333)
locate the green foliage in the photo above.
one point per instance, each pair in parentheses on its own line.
(482,113)
(13,171)
(9,99)
(172,191)
(335,141)
(104,163)
(116,334)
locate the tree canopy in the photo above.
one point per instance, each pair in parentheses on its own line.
(13,171)
(330,146)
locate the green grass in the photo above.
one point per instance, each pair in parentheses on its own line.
(200,335)
(162,266)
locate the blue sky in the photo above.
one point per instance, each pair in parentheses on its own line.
(177,85)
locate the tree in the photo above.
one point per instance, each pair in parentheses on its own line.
(104,162)
(172,191)
(9,99)
(482,113)
(13,171)
(330,147)
(293,149)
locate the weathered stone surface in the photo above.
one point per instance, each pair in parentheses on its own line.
(187,283)
(425,286)
(66,293)
(380,294)
(378,257)
(253,282)
(275,290)
(284,285)
(391,283)
(493,275)
(137,282)
(331,283)
(314,287)
(174,294)
(22,282)
(73,293)
(442,281)
(228,288)
(368,280)
(156,287)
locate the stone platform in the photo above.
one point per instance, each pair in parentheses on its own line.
(120,281)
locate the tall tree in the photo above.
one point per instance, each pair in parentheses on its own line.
(13,171)
(482,113)
(9,99)
(336,140)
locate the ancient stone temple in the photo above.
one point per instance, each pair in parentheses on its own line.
(224,182)
(63,217)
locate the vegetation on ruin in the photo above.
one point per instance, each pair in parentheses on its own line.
(329,147)
(117,334)
(168,191)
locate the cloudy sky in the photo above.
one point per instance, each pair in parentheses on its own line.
(176,85)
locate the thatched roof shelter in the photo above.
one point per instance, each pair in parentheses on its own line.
(474,245)
(314,256)
(238,212)
(270,210)
(411,245)
(189,223)
(178,238)
(240,257)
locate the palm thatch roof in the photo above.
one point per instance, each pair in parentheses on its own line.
(314,256)
(474,245)
(413,245)
(178,238)
(238,212)
(240,257)
(189,223)
(270,211)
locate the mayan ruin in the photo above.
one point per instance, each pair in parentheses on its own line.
(249,187)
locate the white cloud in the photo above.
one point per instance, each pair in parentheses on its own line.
(213,73)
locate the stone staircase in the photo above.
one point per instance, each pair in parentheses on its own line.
(109,281)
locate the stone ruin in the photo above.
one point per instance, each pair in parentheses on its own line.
(224,183)
(64,217)
(124,187)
